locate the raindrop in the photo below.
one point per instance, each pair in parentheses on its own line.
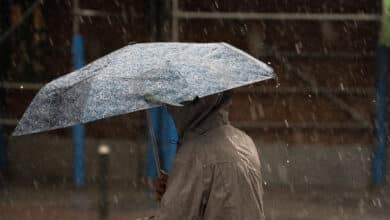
(286,123)
(116,200)
(205,31)
(260,110)
(36,184)
(361,206)
(298,47)
(341,210)
(51,41)
(242,30)
(124,31)
(373,202)
(342,87)
(21,86)
(81,19)
(253,112)
(250,99)
(340,156)
(287,161)
(379,202)
(269,169)
(216,4)
(109,20)
(303,214)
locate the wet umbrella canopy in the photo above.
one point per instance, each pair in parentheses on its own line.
(138,77)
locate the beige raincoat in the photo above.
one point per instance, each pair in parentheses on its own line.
(216,172)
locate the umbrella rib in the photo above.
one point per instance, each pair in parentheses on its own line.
(76,83)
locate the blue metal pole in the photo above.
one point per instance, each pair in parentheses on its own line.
(165,132)
(378,172)
(78,130)
(169,138)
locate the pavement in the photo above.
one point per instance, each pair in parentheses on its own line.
(63,202)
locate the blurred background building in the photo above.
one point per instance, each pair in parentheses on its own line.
(317,124)
(313,124)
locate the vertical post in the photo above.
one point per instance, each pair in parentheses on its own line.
(77,130)
(4,66)
(378,163)
(3,154)
(153,16)
(381,116)
(104,165)
(157,18)
(175,21)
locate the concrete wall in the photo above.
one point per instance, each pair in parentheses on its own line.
(48,158)
(341,166)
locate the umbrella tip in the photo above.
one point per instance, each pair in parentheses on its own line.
(15,132)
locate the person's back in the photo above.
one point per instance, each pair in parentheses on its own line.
(215,175)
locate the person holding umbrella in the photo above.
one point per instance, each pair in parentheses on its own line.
(216,172)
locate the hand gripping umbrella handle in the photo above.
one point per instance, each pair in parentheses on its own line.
(154,143)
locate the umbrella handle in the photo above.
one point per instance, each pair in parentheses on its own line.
(154,144)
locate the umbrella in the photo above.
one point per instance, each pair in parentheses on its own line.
(138,77)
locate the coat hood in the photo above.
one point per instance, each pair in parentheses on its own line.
(201,114)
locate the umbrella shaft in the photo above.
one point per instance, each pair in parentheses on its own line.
(154,143)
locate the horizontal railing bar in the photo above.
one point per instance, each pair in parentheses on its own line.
(276,16)
(300,126)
